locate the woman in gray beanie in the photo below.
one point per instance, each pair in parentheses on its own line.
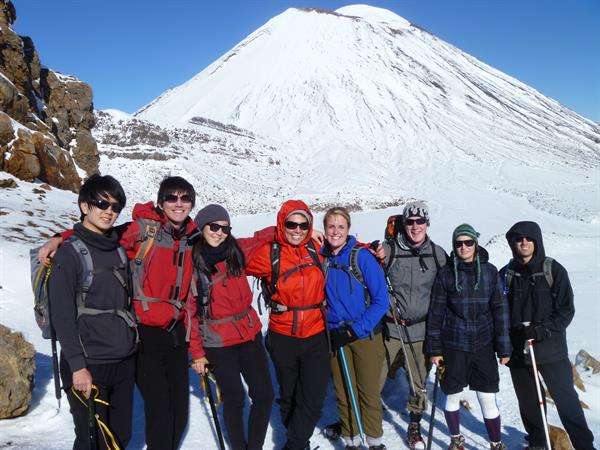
(230,329)
(467,326)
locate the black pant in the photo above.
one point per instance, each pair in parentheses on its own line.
(303,369)
(163,380)
(115,386)
(250,360)
(478,370)
(558,377)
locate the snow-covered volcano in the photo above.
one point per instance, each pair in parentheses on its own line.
(360,96)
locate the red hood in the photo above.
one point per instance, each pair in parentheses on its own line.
(149,211)
(285,210)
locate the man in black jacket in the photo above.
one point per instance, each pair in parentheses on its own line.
(541,308)
(90,313)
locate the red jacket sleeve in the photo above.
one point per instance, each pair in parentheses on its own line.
(259,265)
(250,245)
(196,349)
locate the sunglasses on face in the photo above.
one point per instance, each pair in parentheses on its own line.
(172,198)
(522,239)
(291,225)
(214,227)
(419,221)
(105,204)
(468,243)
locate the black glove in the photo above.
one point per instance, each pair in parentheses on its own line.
(338,337)
(537,333)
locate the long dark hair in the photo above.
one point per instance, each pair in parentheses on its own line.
(234,256)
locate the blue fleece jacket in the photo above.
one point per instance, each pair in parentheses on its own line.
(346,296)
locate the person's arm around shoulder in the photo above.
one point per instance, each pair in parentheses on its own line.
(500,316)
(62,288)
(259,265)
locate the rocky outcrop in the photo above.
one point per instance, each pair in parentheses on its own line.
(559,439)
(17,366)
(45,117)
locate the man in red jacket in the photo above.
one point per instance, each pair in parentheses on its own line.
(157,244)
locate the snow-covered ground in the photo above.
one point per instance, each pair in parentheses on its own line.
(29,213)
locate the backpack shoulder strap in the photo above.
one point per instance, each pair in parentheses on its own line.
(392,256)
(148,228)
(87,275)
(547,269)
(275,256)
(354,267)
(436,255)
(310,246)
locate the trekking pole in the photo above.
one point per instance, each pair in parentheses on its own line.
(536,377)
(413,352)
(213,409)
(350,390)
(433,405)
(400,334)
(92,423)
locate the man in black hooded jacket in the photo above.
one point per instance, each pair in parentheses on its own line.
(540,295)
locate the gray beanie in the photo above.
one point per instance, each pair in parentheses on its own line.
(211,213)
(417,208)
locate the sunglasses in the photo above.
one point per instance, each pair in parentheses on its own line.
(522,238)
(172,198)
(214,227)
(105,204)
(419,221)
(291,225)
(468,243)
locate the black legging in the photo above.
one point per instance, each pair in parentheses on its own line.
(558,377)
(250,361)
(163,380)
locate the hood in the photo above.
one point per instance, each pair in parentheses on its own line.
(533,230)
(149,211)
(288,207)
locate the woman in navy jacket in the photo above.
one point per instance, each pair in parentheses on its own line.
(357,300)
(467,327)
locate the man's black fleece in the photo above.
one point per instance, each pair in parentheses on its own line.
(91,339)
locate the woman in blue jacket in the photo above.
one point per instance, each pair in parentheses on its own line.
(357,300)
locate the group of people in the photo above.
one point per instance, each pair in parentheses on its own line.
(133,304)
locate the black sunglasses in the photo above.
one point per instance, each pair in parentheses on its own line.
(291,225)
(172,198)
(105,204)
(522,238)
(419,221)
(214,227)
(468,243)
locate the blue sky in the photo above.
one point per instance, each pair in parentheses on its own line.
(130,51)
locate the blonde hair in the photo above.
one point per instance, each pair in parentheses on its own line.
(337,211)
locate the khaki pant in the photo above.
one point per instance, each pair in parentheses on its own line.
(395,358)
(363,358)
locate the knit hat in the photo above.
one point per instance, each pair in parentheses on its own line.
(416,208)
(465,230)
(209,214)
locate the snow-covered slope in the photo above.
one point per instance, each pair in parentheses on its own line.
(360,97)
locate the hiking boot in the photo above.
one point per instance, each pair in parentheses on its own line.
(351,447)
(457,442)
(333,431)
(497,446)
(377,447)
(413,436)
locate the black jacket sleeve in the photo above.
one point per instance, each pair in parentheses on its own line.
(563,306)
(62,287)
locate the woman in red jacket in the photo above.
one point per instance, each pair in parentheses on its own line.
(297,341)
(230,330)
